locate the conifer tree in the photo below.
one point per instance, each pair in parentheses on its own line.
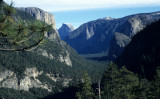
(16,35)
(157,85)
(108,81)
(118,83)
(126,82)
(85,90)
(142,90)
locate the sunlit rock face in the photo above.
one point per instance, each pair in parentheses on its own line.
(8,79)
(66,59)
(40,15)
(45,17)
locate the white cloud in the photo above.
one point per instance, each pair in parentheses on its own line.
(61,5)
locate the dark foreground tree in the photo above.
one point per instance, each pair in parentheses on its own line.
(18,35)
(85,90)
(108,81)
(118,83)
(156,86)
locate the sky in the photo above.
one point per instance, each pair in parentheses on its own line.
(77,12)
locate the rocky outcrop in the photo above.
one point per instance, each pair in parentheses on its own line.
(45,53)
(6,74)
(65,30)
(57,78)
(8,79)
(66,59)
(97,36)
(45,17)
(30,80)
(118,42)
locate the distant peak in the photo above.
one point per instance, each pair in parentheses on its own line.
(68,25)
(107,18)
(65,30)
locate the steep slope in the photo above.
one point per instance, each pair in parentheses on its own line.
(65,30)
(95,38)
(45,70)
(118,43)
(142,54)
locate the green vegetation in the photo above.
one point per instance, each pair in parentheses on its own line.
(85,90)
(116,83)
(8,93)
(120,83)
(18,35)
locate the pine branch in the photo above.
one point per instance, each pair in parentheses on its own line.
(23,38)
(26,48)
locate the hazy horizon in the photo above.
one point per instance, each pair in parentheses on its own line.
(77,12)
(79,17)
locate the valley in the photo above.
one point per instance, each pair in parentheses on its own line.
(105,58)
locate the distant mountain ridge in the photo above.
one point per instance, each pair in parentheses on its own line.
(99,36)
(65,30)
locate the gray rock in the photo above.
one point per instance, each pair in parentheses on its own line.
(66,59)
(118,42)
(40,15)
(8,79)
(10,83)
(65,30)
(5,74)
(45,17)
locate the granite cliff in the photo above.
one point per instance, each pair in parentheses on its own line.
(45,17)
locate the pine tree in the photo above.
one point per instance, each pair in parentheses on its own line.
(85,90)
(142,91)
(156,91)
(16,35)
(118,83)
(109,81)
(126,81)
